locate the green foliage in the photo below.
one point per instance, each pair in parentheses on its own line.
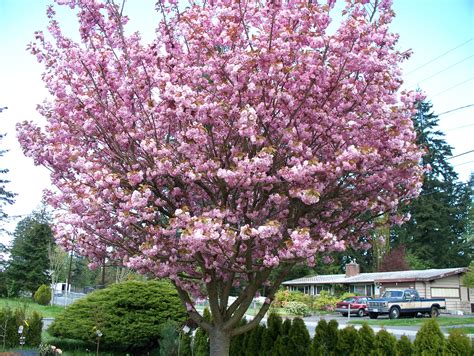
(129,315)
(172,342)
(364,344)
(11,320)
(319,344)
(297,308)
(468,278)
(29,263)
(43,295)
(429,339)
(325,301)
(283,297)
(201,338)
(253,345)
(237,345)
(436,232)
(332,335)
(385,344)
(281,346)
(285,327)
(299,341)
(458,343)
(404,346)
(6,197)
(346,340)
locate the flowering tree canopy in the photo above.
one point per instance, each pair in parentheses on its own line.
(248,135)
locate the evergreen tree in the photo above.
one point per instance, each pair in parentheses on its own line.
(271,333)
(29,262)
(404,346)
(429,339)
(285,327)
(385,343)
(6,197)
(364,344)
(299,341)
(348,337)
(254,341)
(332,336)
(436,231)
(201,338)
(319,343)
(237,347)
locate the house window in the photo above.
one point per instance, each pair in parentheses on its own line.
(369,290)
(444,292)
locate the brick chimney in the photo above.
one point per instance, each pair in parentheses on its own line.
(352,269)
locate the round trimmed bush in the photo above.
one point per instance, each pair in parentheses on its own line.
(129,315)
(43,295)
(297,308)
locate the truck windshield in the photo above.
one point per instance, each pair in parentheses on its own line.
(393,294)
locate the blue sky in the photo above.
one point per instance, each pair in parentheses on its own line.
(429,27)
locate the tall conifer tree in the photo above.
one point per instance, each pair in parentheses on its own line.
(435,233)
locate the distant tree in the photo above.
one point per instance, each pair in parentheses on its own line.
(6,197)
(468,278)
(395,260)
(29,264)
(436,232)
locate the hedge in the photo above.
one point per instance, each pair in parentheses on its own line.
(12,319)
(129,315)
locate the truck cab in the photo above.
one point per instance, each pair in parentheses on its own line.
(407,302)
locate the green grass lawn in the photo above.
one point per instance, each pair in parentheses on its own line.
(47,311)
(442,321)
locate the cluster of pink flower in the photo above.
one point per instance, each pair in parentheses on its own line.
(245,136)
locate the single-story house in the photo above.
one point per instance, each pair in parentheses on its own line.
(430,283)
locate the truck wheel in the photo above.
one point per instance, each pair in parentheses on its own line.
(434,312)
(373,315)
(344,314)
(394,313)
(360,313)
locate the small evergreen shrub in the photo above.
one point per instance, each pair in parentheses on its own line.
(385,343)
(201,338)
(364,344)
(11,320)
(458,343)
(237,342)
(253,346)
(43,295)
(332,336)
(319,344)
(299,341)
(129,315)
(285,327)
(271,333)
(297,308)
(429,339)
(404,346)
(346,341)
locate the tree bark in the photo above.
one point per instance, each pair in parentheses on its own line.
(219,341)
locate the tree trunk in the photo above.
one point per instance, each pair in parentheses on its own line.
(219,342)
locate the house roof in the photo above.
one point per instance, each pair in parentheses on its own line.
(396,276)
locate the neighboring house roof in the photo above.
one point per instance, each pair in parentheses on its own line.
(396,276)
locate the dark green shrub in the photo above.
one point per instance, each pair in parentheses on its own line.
(385,343)
(364,344)
(11,320)
(318,345)
(404,346)
(332,336)
(201,338)
(429,339)
(299,341)
(172,341)
(285,327)
(237,347)
(346,341)
(271,333)
(129,315)
(458,343)
(281,346)
(43,295)
(253,346)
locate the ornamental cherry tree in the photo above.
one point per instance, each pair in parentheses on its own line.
(248,135)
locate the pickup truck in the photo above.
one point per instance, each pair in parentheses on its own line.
(404,302)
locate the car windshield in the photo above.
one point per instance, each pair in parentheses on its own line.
(393,294)
(349,300)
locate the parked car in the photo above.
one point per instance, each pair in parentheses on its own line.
(356,305)
(405,302)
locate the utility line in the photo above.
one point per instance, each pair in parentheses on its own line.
(459,127)
(454,86)
(441,55)
(442,70)
(456,109)
(462,164)
(461,154)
